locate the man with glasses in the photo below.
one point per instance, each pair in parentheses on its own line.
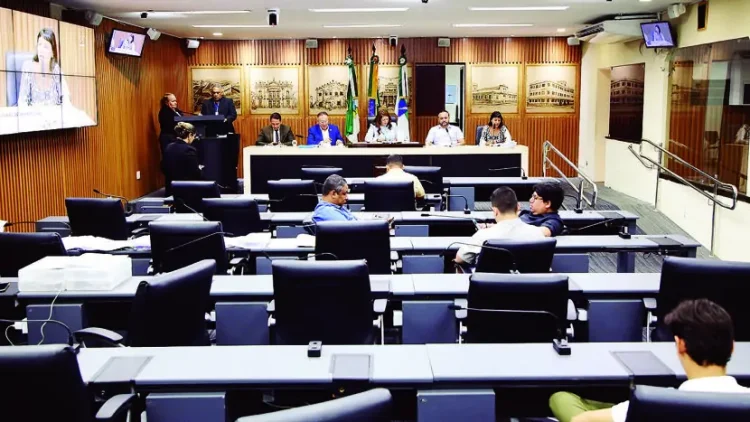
(331,206)
(218,105)
(543,205)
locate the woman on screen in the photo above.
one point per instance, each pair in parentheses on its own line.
(41,80)
(383,129)
(657,36)
(495,132)
(128,43)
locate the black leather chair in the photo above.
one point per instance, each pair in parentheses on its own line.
(168,311)
(191,194)
(478,134)
(177,245)
(327,301)
(319,174)
(534,256)
(18,250)
(101,217)
(389,195)
(292,195)
(545,295)
(44,384)
(431,177)
(370,406)
(238,216)
(349,240)
(724,282)
(656,404)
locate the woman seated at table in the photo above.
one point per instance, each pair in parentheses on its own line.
(383,129)
(495,133)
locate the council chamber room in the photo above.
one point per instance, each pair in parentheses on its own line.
(399,210)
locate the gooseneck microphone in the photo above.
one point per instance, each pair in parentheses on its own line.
(182,203)
(473,220)
(523,171)
(466,202)
(128,208)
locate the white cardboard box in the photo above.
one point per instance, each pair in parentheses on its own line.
(85,272)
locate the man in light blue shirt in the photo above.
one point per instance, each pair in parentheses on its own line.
(331,206)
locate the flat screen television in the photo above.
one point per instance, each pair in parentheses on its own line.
(657,34)
(126,43)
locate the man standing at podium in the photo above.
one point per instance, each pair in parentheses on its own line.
(217,105)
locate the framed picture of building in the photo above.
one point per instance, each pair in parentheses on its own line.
(274,89)
(551,89)
(388,85)
(202,79)
(626,102)
(494,88)
(327,87)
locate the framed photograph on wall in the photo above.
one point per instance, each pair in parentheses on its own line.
(388,85)
(327,87)
(494,88)
(202,79)
(551,89)
(274,89)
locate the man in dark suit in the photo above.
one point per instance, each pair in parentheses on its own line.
(180,158)
(218,105)
(275,133)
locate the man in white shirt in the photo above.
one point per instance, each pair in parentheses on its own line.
(704,336)
(444,134)
(395,171)
(505,207)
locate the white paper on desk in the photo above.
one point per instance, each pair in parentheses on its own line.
(305,241)
(252,240)
(508,144)
(2,225)
(91,243)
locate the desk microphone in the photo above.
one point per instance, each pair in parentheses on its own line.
(128,208)
(560,344)
(199,239)
(473,220)
(523,172)
(466,202)
(514,267)
(182,203)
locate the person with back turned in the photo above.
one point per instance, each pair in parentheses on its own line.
(395,171)
(167,113)
(218,105)
(704,338)
(275,133)
(181,158)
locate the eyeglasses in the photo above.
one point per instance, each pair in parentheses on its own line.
(535,197)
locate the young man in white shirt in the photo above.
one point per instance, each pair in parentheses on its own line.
(704,336)
(505,207)
(395,171)
(444,134)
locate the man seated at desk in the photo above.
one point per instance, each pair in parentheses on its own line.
(324,133)
(275,133)
(331,205)
(704,337)
(395,171)
(444,134)
(544,203)
(505,207)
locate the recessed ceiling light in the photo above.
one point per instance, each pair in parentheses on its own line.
(644,1)
(489,25)
(213,12)
(361,10)
(560,29)
(518,8)
(232,26)
(218,34)
(362,26)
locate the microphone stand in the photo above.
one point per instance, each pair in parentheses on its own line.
(523,172)
(466,202)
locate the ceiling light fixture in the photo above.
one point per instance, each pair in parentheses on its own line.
(377,25)
(361,10)
(489,25)
(560,29)
(218,34)
(519,9)
(212,12)
(232,26)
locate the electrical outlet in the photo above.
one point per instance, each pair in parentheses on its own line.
(138,175)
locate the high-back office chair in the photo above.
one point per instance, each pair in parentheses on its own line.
(524,256)
(14,61)
(168,311)
(724,282)
(657,404)
(478,134)
(18,250)
(177,245)
(239,216)
(431,177)
(328,301)
(545,293)
(44,384)
(292,195)
(389,195)
(192,193)
(370,406)
(349,240)
(101,217)
(319,174)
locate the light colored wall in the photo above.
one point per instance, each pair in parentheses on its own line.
(727,20)
(453,77)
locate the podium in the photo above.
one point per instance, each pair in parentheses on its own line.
(211,125)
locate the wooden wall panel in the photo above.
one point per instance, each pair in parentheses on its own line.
(6,43)
(77,50)
(38,170)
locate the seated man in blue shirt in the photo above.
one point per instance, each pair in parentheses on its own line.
(544,203)
(331,206)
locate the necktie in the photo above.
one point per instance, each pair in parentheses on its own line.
(216,108)
(275,136)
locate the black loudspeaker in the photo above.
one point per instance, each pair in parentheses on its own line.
(702,15)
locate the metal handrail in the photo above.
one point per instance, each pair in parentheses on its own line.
(547,146)
(650,164)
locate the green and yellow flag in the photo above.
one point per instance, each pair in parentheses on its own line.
(373,99)
(352,99)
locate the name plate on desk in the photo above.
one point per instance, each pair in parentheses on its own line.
(120,370)
(645,368)
(351,367)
